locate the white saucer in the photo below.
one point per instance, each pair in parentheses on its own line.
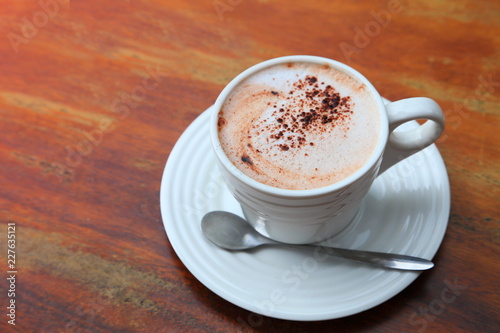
(406,211)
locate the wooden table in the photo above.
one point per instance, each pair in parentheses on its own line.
(94,95)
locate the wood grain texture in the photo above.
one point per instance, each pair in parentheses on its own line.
(94,94)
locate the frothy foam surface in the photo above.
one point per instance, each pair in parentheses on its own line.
(299,126)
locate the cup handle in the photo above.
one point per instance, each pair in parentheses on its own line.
(402,144)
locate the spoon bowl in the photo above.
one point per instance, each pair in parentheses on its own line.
(230,232)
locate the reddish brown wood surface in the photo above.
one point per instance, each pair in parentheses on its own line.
(94,94)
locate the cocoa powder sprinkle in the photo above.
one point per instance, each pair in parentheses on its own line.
(246,159)
(311,107)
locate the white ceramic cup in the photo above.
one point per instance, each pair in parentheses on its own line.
(308,216)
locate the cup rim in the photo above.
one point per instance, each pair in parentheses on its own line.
(281,192)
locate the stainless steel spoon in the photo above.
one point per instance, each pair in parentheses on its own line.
(231,232)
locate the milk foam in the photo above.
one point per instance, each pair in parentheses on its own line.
(299,126)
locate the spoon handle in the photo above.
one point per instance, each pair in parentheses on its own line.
(380,259)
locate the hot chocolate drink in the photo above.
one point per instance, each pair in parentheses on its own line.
(299,125)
